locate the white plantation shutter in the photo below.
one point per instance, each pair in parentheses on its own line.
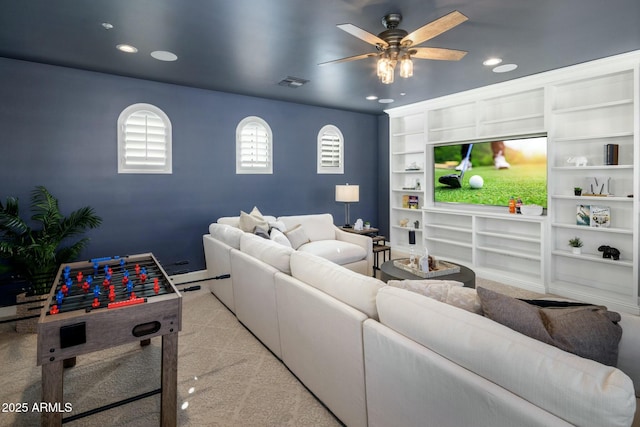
(144,144)
(254,147)
(330,150)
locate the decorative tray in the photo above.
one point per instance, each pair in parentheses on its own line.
(442,268)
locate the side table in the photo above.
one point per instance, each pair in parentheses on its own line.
(379,245)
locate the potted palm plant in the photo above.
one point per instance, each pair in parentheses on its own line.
(33,255)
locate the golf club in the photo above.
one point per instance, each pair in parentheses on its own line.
(453,180)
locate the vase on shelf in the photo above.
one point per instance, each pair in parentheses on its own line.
(576,251)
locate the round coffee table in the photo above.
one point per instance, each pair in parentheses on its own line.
(388,271)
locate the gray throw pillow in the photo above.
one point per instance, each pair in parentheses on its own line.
(590,331)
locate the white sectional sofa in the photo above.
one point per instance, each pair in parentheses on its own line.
(382,356)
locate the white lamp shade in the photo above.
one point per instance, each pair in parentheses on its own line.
(347,193)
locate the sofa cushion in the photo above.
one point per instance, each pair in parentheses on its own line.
(316,226)
(297,237)
(579,390)
(448,291)
(588,331)
(226,234)
(336,251)
(278,236)
(357,290)
(267,251)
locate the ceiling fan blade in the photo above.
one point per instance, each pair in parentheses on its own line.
(363,35)
(434,28)
(349,58)
(437,53)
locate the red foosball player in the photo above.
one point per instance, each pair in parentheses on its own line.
(79,276)
(106,283)
(54,309)
(95,303)
(143,278)
(156,286)
(85,287)
(125,280)
(137,268)
(133,295)
(65,289)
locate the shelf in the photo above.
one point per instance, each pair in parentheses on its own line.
(449,242)
(533,256)
(593,258)
(448,128)
(512,119)
(594,167)
(402,153)
(588,137)
(593,106)
(519,237)
(448,227)
(409,132)
(595,198)
(420,171)
(596,229)
(401,190)
(397,208)
(417,230)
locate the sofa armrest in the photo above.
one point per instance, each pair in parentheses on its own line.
(629,349)
(364,241)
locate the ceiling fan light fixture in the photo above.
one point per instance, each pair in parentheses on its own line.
(406,66)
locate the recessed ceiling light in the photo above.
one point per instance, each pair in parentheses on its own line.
(163,55)
(492,61)
(505,68)
(127,48)
(385,101)
(106,25)
(372,97)
(403,93)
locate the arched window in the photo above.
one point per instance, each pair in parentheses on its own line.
(254,146)
(144,140)
(330,150)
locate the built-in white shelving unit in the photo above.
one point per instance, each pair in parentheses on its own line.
(580,109)
(407,163)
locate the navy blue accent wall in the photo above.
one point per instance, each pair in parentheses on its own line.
(58,129)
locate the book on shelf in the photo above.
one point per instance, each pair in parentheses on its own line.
(410,202)
(600,216)
(593,216)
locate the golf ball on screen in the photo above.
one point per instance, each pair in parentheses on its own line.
(476,181)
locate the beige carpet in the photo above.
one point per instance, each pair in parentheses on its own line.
(226,377)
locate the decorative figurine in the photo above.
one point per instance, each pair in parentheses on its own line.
(578,161)
(609,252)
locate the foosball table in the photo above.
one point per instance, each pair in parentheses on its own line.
(102,303)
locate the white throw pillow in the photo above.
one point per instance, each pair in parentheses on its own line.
(249,221)
(279,237)
(297,236)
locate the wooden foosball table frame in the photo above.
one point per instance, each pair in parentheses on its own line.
(68,334)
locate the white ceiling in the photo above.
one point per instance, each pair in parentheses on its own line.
(248,46)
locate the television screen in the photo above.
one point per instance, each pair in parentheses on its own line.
(490,173)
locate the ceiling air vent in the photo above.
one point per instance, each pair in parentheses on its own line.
(293,82)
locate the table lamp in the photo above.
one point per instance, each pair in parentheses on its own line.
(347,194)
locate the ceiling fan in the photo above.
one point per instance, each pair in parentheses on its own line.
(395,44)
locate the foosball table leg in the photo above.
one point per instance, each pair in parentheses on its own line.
(52,391)
(169,397)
